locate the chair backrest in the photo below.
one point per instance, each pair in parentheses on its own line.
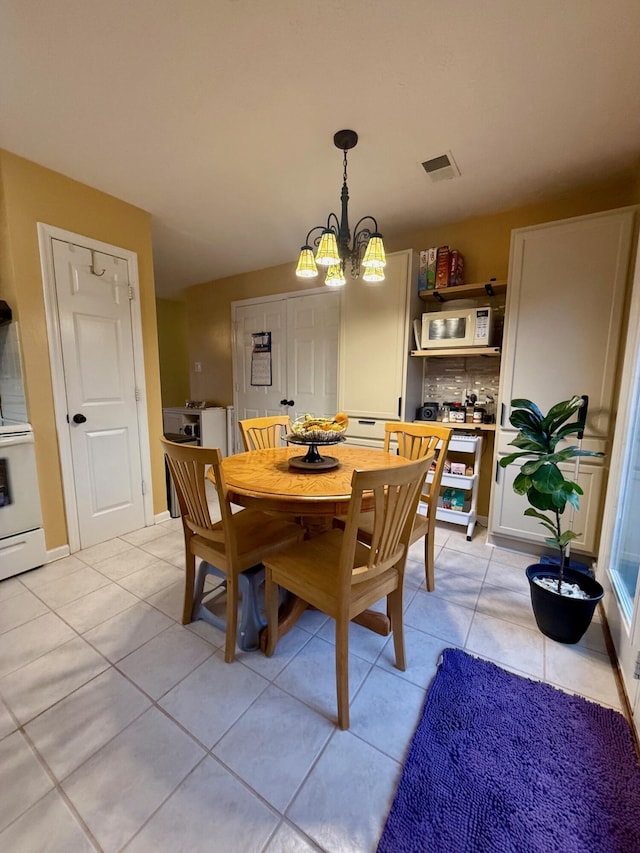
(416,440)
(396,492)
(188,465)
(258,433)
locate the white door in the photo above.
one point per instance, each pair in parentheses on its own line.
(619,557)
(313,325)
(304,356)
(93,302)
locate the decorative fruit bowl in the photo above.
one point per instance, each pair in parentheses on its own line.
(311,432)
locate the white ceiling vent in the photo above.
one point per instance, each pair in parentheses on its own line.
(442,168)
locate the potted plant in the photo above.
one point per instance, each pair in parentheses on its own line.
(563,598)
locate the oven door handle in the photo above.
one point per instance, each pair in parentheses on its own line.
(12,440)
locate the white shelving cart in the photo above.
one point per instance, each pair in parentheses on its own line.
(471,444)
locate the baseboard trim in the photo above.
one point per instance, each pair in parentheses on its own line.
(58,553)
(162,516)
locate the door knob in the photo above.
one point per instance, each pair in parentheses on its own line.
(79,419)
(286,402)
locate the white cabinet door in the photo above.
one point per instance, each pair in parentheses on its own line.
(563,314)
(508,508)
(377,380)
(565,300)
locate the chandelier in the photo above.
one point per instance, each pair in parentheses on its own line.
(335,246)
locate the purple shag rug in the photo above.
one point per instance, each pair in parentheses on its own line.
(499,763)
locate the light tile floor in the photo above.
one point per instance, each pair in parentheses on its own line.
(122,729)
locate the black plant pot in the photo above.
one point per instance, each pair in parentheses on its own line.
(559,617)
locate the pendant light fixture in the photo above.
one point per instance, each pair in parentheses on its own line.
(333,241)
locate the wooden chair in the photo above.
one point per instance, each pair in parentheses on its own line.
(341,576)
(415,441)
(258,433)
(233,545)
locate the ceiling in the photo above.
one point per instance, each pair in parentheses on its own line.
(217,116)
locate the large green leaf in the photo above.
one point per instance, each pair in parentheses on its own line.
(540,500)
(566,537)
(560,413)
(522,403)
(543,519)
(529,441)
(548,478)
(521,484)
(507,460)
(531,467)
(522,419)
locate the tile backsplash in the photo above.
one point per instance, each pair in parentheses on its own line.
(451,379)
(13,404)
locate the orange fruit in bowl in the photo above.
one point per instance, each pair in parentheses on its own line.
(341,418)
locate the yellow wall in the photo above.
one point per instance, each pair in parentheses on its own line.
(484,241)
(172,344)
(34,194)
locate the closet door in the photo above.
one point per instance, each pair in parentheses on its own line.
(304,355)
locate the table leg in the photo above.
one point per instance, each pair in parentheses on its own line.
(375,621)
(288,615)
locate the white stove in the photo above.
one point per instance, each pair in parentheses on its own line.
(22,544)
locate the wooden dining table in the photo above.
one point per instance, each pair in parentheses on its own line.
(263,479)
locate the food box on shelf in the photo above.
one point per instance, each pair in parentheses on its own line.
(458,468)
(456,268)
(453,499)
(427,269)
(442,267)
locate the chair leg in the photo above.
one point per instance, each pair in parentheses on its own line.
(342,671)
(271,602)
(189,580)
(394,607)
(430,574)
(231,618)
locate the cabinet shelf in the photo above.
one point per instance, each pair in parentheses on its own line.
(456,481)
(464,291)
(456,351)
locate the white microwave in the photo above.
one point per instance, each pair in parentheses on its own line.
(466,327)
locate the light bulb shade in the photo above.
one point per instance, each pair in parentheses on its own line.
(374,256)
(306,264)
(335,276)
(327,254)
(373,275)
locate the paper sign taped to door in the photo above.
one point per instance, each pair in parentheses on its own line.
(261,359)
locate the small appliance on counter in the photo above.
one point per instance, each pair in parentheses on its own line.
(428,411)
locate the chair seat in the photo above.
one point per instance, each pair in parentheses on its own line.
(257,534)
(311,571)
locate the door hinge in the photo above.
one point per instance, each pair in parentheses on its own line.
(636,671)
(138,395)
(144,488)
(132,294)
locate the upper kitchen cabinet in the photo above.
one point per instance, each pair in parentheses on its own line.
(378,380)
(567,283)
(563,326)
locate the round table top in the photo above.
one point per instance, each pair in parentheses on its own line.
(264,480)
